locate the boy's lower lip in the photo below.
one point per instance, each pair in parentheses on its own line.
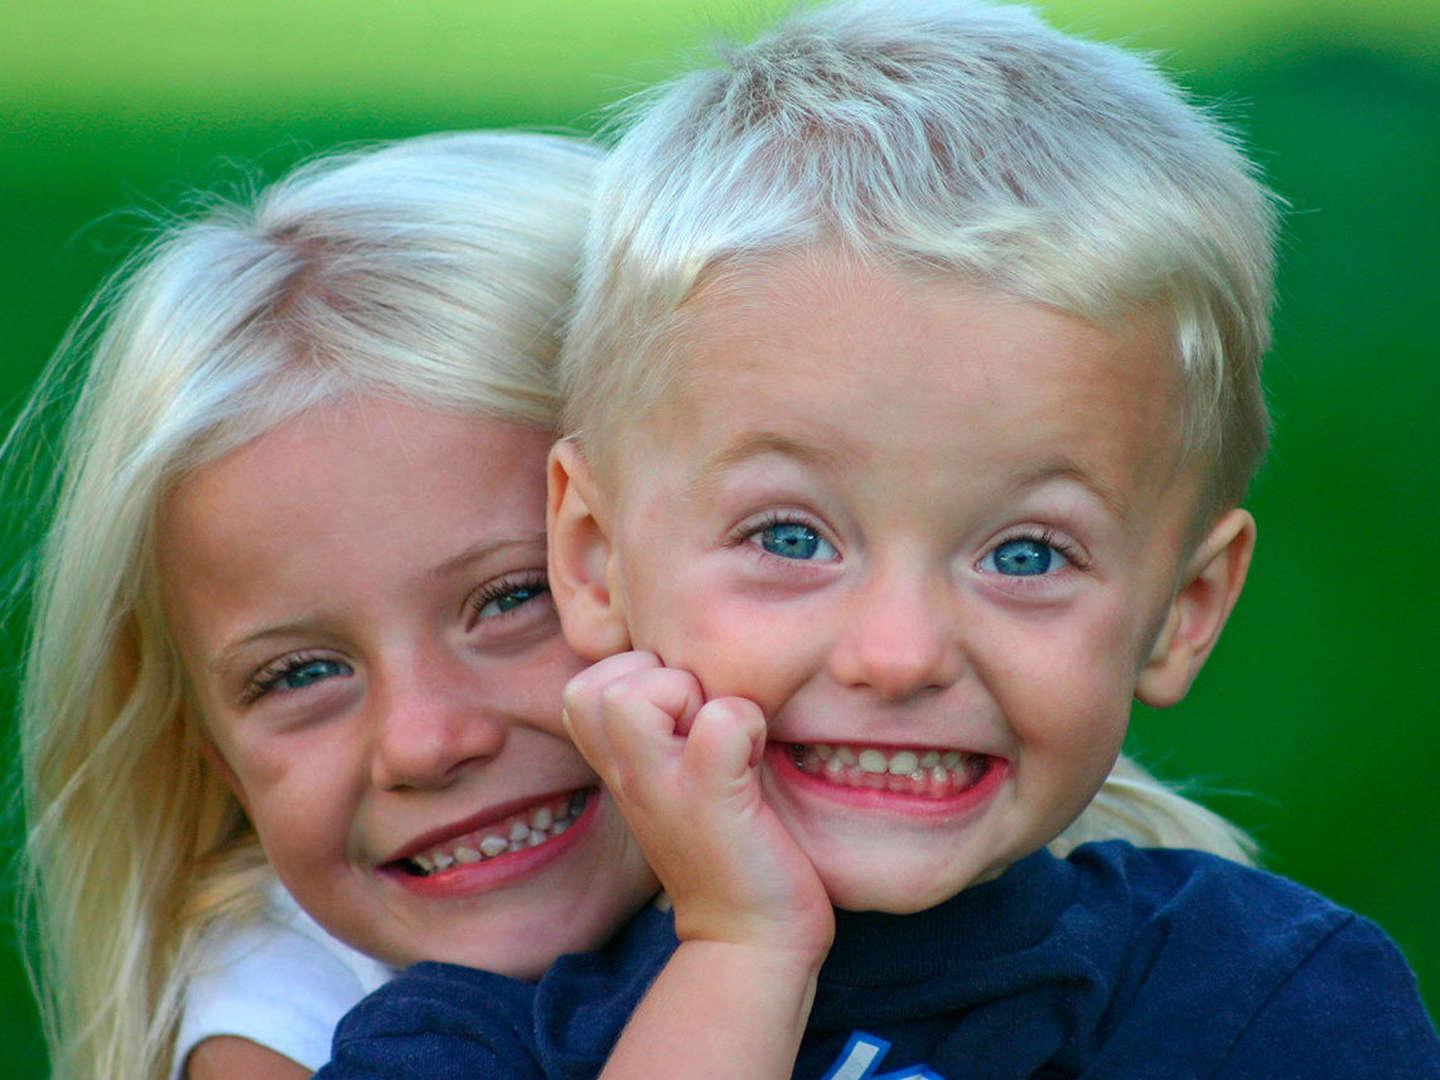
(468,876)
(909,782)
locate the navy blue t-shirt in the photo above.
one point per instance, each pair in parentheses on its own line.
(1116,963)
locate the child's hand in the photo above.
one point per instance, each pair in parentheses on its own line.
(684,773)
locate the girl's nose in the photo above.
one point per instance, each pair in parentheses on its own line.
(429,725)
(901,640)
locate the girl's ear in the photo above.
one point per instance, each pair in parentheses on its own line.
(211,753)
(581,557)
(1208,591)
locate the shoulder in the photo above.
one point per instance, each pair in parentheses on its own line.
(277,980)
(1278,972)
(439,1020)
(443,1020)
(1204,894)
(292,924)
(439,998)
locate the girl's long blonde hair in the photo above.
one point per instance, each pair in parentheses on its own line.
(432,270)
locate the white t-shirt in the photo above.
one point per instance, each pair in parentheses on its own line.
(279,980)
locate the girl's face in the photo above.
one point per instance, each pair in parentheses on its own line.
(360,604)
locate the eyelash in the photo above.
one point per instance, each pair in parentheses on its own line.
(743,535)
(1071,551)
(269,676)
(535,581)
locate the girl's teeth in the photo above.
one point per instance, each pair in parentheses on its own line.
(494,845)
(544,823)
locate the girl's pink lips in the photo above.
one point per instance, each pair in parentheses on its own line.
(990,773)
(475,823)
(463,879)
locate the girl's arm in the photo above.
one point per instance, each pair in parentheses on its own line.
(224,1057)
(753,919)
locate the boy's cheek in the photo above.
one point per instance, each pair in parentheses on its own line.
(731,649)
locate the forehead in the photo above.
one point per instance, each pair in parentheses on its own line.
(348,496)
(832,353)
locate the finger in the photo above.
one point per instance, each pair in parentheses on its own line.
(627,730)
(582,711)
(727,739)
(583,690)
(648,713)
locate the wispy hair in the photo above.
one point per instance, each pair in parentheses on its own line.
(952,136)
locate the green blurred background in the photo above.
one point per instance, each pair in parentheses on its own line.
(1314,725)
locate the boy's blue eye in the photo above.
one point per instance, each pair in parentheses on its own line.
(794,540)
(308,672)
(1024,557)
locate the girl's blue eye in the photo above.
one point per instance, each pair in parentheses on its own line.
(312,671)
(794,540)
(297,674)
(507,598)
(1024,557)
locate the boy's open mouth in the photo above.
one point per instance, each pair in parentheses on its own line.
(528,829)
(933,773)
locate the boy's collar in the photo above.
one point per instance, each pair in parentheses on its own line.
(1013,912)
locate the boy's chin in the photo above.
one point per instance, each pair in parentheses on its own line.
(900,890)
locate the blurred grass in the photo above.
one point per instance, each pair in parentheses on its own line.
(1315,724)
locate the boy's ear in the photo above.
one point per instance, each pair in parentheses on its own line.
(591,614)
(1208,591)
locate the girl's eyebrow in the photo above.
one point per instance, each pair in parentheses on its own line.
(486,549)
(530,540)
(227,657)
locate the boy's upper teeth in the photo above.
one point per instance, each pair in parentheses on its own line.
(871,759)
(932,773)
(524,830)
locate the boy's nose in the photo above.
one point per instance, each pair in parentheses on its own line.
(900,639)
(427,728)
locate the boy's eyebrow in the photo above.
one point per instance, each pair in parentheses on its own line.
(1064,468)
(758,444)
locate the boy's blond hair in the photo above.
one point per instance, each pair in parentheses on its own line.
(952,136)
(959,138)
(431,271)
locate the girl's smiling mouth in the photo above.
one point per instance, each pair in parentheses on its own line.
(521,831)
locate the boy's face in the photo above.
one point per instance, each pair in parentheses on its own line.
(936,534)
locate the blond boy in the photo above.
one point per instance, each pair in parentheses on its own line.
(913,393)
